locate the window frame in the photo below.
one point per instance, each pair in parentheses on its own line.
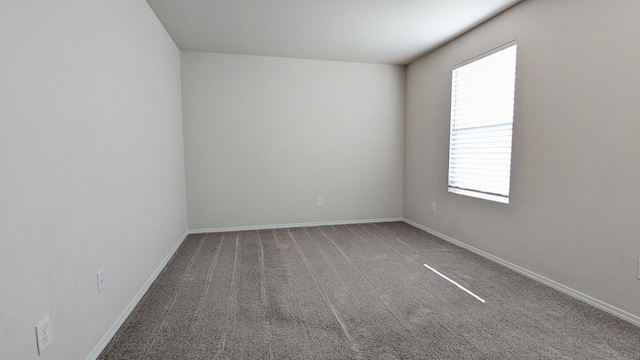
(477,191)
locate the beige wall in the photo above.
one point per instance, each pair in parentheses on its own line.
(91,166)
(575,201)
(265,137)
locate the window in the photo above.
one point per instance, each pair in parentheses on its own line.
(482,98)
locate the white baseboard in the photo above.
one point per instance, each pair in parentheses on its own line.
(565,289)
(114,328)
(530,274)
(281,226)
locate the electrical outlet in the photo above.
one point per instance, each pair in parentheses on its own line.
(320,202)
(433,207)
(177,214)
(101,280)
(638,269)
(44,335)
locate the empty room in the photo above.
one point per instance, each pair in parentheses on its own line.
(301,179)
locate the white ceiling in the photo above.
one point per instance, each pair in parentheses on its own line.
(369,31)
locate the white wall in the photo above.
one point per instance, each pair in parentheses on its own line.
(575,200)
(91,166)
(265,137)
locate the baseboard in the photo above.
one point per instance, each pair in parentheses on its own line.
(114,328)
(530,274)
(281,226)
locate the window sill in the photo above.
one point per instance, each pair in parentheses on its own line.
(496,198)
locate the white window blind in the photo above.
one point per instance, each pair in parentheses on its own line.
(482,99)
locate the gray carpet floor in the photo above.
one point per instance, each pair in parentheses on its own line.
(356,292)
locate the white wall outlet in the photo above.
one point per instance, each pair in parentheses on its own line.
(177,214)
(320,202)
(44,335)
(101,280)
(638,269)
(433,207)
